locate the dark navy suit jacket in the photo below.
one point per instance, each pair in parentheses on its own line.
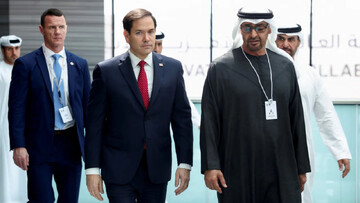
(31,106)
(118,125)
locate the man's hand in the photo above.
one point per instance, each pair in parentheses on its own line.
(94,184)
(21,158)
(182,175)
(302,179)
(346,163)
(212,178)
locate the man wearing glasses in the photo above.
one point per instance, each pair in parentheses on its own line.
(252,134)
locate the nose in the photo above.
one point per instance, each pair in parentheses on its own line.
(57,30)
(13,51)
(286,43)
(253,33)
(146,37)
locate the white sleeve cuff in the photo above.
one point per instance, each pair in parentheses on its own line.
(92,171)
(186,166)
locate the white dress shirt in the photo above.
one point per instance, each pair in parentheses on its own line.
(149,69)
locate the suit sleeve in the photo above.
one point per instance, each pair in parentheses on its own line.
(95,118)
(87,85)
(18,103)
(181,123)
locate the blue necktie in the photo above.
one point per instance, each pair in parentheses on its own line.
(58,102)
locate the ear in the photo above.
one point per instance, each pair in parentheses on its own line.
(41,28)
(126,35)
(269,32)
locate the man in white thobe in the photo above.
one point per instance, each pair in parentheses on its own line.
(13,180)
(315,100)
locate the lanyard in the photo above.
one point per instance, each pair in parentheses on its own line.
(271,81)
(58,83)
(58,88)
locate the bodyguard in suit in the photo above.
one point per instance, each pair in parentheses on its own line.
(133,100)
(48,95)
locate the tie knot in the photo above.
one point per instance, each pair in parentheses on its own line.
(56,56)
(142,63)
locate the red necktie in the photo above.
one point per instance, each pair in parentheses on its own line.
(143,84)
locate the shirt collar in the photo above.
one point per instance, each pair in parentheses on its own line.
(48,53)
(135,60)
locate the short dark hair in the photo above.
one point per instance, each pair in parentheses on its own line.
(50,12)
(135,15)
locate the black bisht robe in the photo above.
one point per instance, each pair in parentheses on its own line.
(260,159)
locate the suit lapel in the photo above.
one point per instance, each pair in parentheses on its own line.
(127,72)
(158,77)
(40,58)
(72,67)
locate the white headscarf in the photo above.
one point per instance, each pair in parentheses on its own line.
(270,42)
(292,30)
(9,41)
(159,35)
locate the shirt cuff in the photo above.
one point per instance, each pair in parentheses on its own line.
(185,166)
(92,171)
(96,171)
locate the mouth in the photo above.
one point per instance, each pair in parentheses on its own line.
(254,42)
(287,51)
(147,46)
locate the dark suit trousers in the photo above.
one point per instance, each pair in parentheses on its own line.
(139,190)
(64,164)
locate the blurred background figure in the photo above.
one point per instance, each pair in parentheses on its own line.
(315,100)
(195,116)
(12,178)
(158,42)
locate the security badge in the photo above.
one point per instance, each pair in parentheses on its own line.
(270,110)
(65,114)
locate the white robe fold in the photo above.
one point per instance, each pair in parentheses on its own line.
(13,180)
(315,100)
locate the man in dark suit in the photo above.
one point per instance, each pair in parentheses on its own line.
(48,96)
(130,110)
